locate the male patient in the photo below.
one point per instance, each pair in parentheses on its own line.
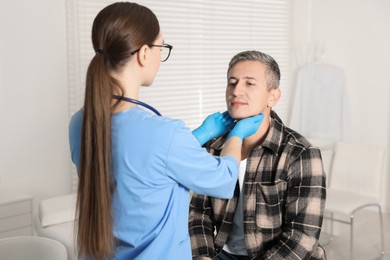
(279,199)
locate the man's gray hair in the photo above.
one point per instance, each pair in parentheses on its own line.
(272,73)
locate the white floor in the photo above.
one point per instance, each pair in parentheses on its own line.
(366,241)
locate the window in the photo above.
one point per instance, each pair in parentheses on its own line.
(205,35)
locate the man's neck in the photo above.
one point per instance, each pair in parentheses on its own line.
(254,140)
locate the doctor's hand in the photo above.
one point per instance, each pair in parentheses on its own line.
(213,126)
(246,127)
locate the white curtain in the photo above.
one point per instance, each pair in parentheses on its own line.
(205,35)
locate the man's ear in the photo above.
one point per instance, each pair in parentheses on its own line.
(273,97)
(143,55)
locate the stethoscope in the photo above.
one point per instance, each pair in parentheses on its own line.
(135,101)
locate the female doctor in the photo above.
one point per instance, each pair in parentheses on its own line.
(135,167)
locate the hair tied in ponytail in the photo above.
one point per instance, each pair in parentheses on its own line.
(101,52)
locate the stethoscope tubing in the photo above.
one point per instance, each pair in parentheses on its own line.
(135,101)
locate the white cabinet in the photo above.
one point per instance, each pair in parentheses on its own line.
(15,214)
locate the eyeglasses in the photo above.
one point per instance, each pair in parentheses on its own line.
(164,48)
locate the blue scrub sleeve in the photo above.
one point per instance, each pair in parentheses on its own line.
(75,127)
(193,167)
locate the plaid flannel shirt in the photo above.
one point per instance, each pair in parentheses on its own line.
(285,191)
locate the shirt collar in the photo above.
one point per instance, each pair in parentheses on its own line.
(274,138)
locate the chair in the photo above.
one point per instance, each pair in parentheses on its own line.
(56,220)
(34,248)
(355,183)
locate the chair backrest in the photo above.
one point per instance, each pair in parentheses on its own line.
(32,248)
(358,168)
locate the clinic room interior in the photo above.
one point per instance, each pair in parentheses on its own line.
(45,48)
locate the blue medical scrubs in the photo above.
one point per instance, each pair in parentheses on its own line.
(157,161)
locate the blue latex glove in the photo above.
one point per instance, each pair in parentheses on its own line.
(213,126)
(246,127)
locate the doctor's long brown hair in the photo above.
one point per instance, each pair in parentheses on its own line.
(117,30)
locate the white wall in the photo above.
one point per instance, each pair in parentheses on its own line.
(356,37)
(34,153)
